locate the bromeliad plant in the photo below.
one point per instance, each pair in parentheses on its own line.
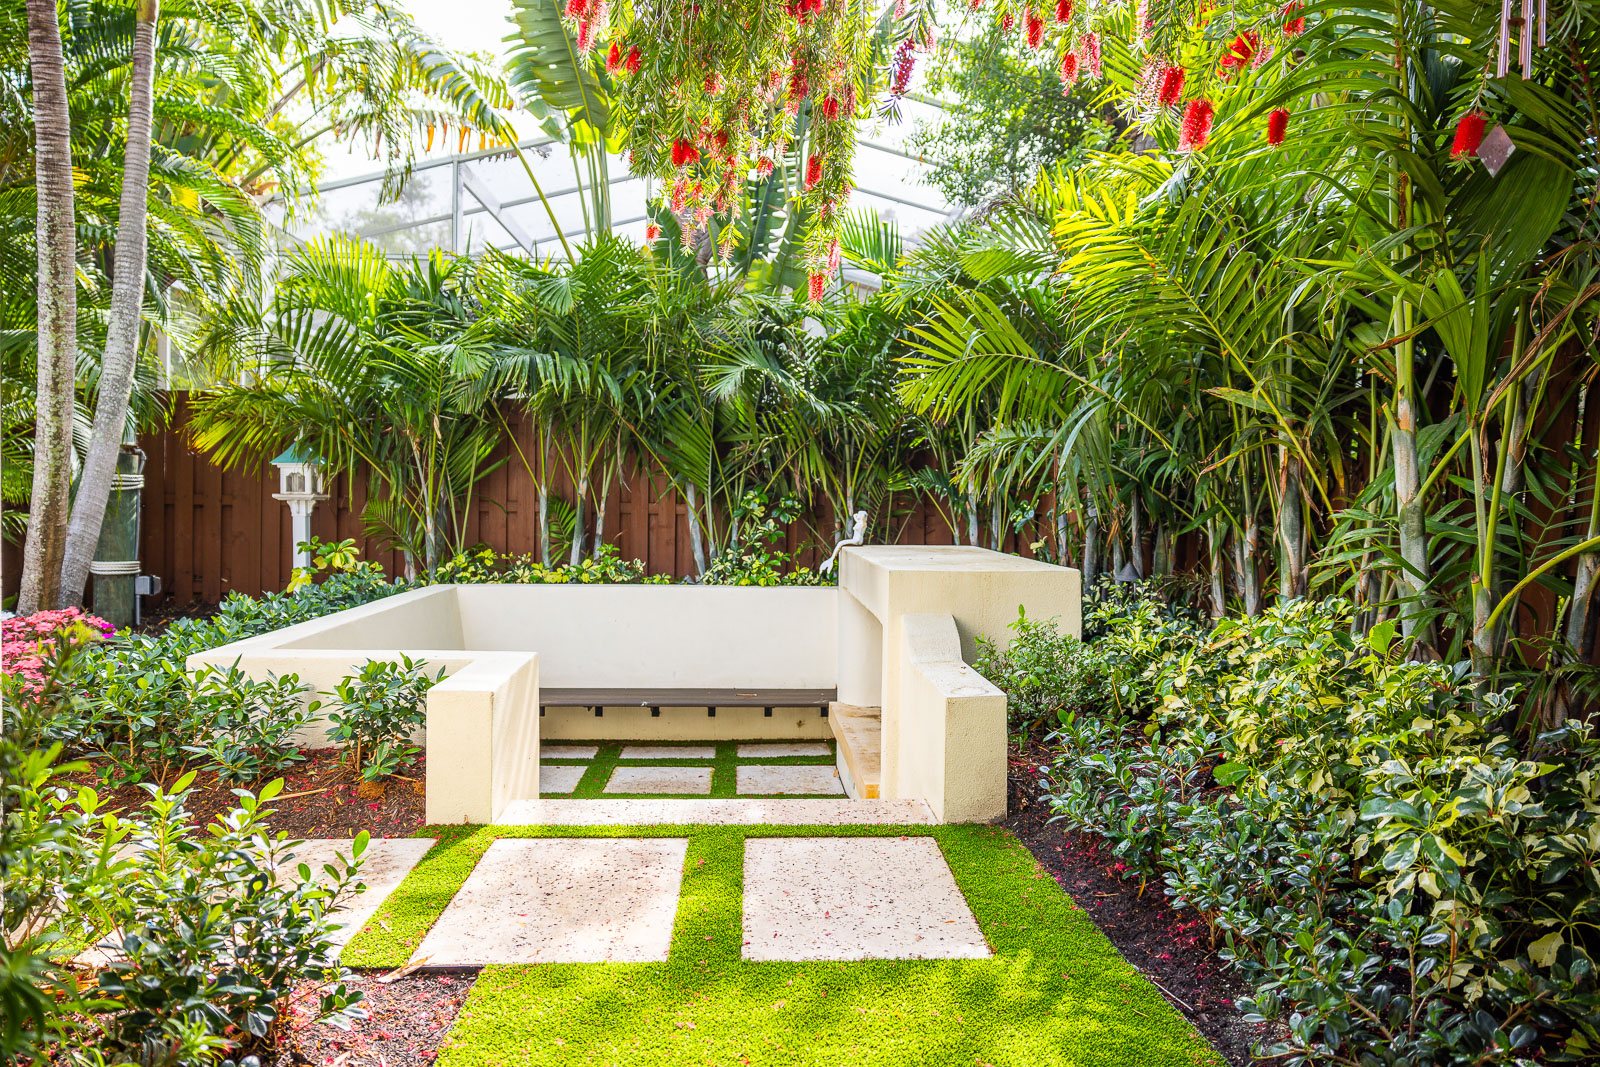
(377,712)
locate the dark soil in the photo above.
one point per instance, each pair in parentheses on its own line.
(1171,948)
(322,797)
(406,1022)
(156,618)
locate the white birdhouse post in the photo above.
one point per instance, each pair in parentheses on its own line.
(299,486)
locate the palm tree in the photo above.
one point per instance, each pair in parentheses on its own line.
(123,333)
(58,314)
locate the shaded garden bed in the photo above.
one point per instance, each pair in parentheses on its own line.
(322,797)
(407,1022)
(1171,948)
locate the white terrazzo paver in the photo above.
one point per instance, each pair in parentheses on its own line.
(837,898)
(694,811)
(384,866)
(774,749)
(669,752)
(660,780)
(576,900)
(559,779)
(568,751)
(760,780)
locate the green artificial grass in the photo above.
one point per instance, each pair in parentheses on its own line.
(1055,993)
(724,768)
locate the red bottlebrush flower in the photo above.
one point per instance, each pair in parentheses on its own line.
(799,85)
(1196,125)
(833,257)
(652,232)
(1035,29)
(680,195)
(721,138)
(815,285)
(1293,24)
(1242,52)
(1141,15)
(974,4)
(614,58)
(1277,125)
(631,64)
(763,167)
(813,171)
(1069,69)
(1171,91)
(683,153)
(1007,21)
(713,85)
(905,59)
(1469,135)
(1089,54)
(585,35)
(1063,10)
(900,9)
(576,8)
(830,108)
(702,215)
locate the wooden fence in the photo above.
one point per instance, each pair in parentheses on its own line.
(208,532)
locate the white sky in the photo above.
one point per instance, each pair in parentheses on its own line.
(464,25)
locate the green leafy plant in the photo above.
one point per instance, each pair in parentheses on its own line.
(377,710)
(1049,677)
(250,725)
(752,556)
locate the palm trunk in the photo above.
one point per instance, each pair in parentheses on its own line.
(972,525)
(1291,529)
(544,524)
(1161,564)
(997,524)
(600,513)
(1219,590)
(1245,547)
(1136,535)
(696,539)
(1091,547)
(45,546)
(126,320)
(582,494)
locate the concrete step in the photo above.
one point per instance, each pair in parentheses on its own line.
(860,735)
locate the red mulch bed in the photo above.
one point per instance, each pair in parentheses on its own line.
(406,1022)
(322,797)
(1171,948)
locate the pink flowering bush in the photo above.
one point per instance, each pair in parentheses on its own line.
(25,640)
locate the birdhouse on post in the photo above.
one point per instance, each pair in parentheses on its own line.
(300,486)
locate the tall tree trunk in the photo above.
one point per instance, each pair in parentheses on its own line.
(1091,547)
(1161,562)
(1136,535)
(58,315)
(600,512)
(997,524)
(972,525)
(126,320)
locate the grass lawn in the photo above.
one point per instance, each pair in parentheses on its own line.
(724,767)
(1055,992)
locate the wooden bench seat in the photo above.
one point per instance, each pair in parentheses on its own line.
(686,698)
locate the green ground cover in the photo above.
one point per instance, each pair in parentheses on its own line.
(724,767)
(1055,992)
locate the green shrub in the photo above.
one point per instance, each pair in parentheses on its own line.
(1400,884)
(249,725)
(378,710)
(752,557)
(1049,677)
(484,564)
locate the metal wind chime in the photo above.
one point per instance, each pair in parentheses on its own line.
(1524,25)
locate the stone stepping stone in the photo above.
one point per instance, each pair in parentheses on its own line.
(384,866)
(704,811)
(772,750)
(568,751)
(813,780)
(578,900)
(838,898)
(660,780)
(669,752)
(559,779)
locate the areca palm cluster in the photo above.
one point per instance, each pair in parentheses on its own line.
(1344,357)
